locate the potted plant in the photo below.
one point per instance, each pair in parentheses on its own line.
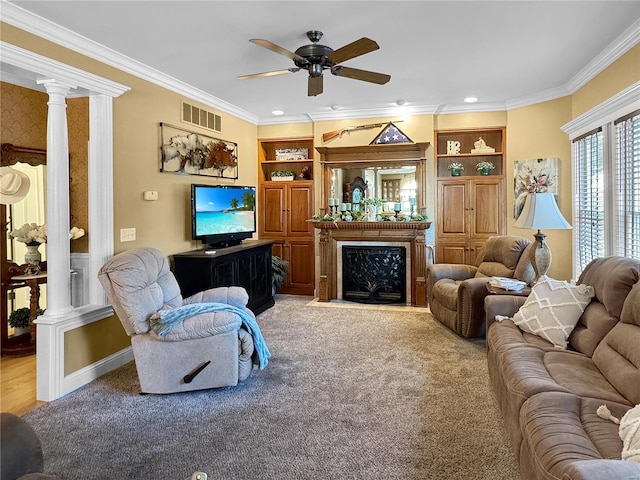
(282,175)
(20,318)
(455,168)
(484,167)
(279,272)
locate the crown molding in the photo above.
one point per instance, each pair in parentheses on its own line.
(614,107)
(538,97)
(41,27)
(390,111)
(25,20)
(471,108)
(47,68)
(625,41)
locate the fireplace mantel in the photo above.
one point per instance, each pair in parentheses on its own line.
(408,232)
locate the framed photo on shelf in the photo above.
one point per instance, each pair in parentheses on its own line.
(292,154)
(189,153)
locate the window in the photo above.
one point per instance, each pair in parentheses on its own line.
(628,185)
(589,192)
(607,191)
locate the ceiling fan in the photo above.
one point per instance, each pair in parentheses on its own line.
(316,58)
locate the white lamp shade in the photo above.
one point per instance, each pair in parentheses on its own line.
(540,211)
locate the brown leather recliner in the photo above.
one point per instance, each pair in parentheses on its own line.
(456,292)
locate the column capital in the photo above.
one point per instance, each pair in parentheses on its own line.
(55,87)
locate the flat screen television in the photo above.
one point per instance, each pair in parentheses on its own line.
(222,215)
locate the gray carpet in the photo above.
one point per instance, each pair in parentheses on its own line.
(348,394)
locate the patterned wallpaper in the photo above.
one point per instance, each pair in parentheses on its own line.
(78,123)
(23,116)
(23,122)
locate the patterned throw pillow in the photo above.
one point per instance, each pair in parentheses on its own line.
(553,309)
(630,435)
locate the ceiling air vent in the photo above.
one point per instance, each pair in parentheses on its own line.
(200,117)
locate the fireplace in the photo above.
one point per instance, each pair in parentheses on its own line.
(408,235)
(374,274)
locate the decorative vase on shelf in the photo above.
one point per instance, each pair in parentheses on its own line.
(372,212)
(485,171)
(455,172)
(33,255)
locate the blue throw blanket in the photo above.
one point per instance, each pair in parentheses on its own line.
(164,320)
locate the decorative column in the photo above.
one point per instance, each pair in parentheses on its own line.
(58,246)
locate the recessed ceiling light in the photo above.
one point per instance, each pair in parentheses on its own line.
(336,107)
(401,102)
(277,112)
(471,99)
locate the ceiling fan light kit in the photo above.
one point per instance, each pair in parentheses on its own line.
(315,58)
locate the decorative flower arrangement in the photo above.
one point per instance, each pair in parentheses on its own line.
(31,234)
(34,234)
(484,166)
(456,166)
(192,151)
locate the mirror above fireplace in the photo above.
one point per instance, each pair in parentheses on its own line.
(393,173)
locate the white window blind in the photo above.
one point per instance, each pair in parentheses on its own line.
(607,191)
(589,208)
(627,204)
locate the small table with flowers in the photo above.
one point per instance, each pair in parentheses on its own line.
(33,282)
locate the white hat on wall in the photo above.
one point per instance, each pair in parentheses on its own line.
(14,185)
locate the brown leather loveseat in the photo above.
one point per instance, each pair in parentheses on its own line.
(456,292)
(549,396)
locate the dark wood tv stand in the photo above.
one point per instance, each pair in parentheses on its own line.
(246,265)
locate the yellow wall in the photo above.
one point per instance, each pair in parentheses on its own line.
(93,342)
(621,74)
(534,132)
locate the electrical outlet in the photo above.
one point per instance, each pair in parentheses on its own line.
(127,234)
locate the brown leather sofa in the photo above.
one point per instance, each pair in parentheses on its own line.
(456,292)
(549,396)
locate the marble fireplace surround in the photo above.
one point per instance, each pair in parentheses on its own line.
(409,234)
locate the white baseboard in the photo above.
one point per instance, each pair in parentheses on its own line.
(89,373)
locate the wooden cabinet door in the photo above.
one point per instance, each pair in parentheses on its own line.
(485,208)
(473,251)
(299,208)
(451,252)
(452,208)
(273,209)
(301,278)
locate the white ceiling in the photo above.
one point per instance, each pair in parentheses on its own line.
(506,53)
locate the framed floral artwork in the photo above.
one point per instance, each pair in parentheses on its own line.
(189,153)
(538,175)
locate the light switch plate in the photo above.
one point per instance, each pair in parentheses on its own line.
(127,234)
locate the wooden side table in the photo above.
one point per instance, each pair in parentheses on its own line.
(33,282)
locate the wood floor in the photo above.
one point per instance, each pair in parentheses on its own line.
(18,385)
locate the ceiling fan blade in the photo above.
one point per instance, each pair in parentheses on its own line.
(278,49)
(364,75)
(352,50)
(314,86)
(268,74)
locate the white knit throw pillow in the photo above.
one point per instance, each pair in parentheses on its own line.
(629,431)
(553,309)
(630,435)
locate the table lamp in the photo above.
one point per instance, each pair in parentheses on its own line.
(541,211)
